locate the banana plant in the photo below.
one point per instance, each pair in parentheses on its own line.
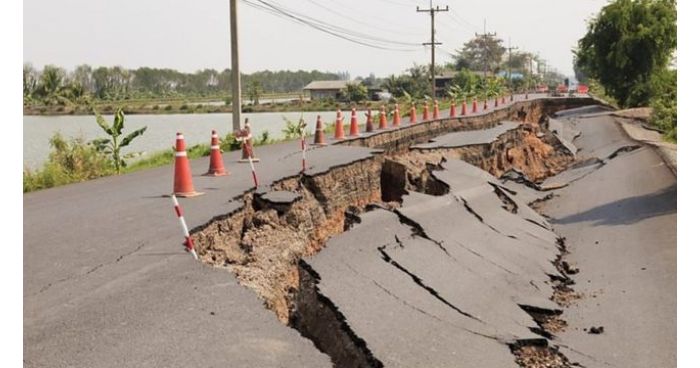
(112,146)
(493,88)
(457,92)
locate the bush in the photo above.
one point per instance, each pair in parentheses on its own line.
(168,107)
(292,129)
(70,161)
(183,107)
(264,138)
(229,143)
(664,103)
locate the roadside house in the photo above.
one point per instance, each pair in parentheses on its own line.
(317,90)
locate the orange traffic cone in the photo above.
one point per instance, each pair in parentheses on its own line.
(453,110)
(486,105)
(370,121)
(425,111)
(319,136)
(216,161)
(382,118)
(183,186)
(354,129)
(473,105)
(413,114)
(464,107)
(495,103)
(339,130)
(397,116)
(436,110)
(247,149)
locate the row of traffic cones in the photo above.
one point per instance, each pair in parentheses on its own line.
(182,183)
(369,125)
(183,186)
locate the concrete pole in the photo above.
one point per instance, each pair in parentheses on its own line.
(432,50)
(235,69)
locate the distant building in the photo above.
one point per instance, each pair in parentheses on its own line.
(326,89)
(442,82)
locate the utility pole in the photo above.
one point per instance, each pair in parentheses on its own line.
(432,42)
(510,48)
(485,35)
(235,69)
(544,71)
(529,58)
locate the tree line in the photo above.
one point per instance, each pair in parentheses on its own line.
(481,60)
(57,86)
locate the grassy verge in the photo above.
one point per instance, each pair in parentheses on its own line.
(74,160)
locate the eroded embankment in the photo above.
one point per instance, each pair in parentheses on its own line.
(263,241)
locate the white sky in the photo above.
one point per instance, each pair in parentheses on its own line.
(189,35)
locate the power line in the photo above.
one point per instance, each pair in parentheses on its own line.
(336,31)
(353,19)
(461,22)
(335,28)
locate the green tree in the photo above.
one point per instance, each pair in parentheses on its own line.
(254,92)
(626,44)
(466,80)
(112,146)
(355,92)
(50,85)
(415,83)
(483,52)
(30,81)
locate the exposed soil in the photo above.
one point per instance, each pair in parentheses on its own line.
(540,356)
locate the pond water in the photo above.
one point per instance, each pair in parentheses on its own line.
(161,130)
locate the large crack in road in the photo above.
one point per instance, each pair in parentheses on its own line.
(505,261)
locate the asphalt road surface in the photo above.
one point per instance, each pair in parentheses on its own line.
(619,220)
(106,283)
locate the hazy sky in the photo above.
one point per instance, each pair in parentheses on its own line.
(189,35)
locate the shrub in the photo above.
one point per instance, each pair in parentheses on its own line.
(70,161)
(293,130)
(264,138)
(664,103)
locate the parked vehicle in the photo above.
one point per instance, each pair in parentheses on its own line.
(382,96)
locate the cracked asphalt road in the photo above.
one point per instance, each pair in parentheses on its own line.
(107,285)
(622,237)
